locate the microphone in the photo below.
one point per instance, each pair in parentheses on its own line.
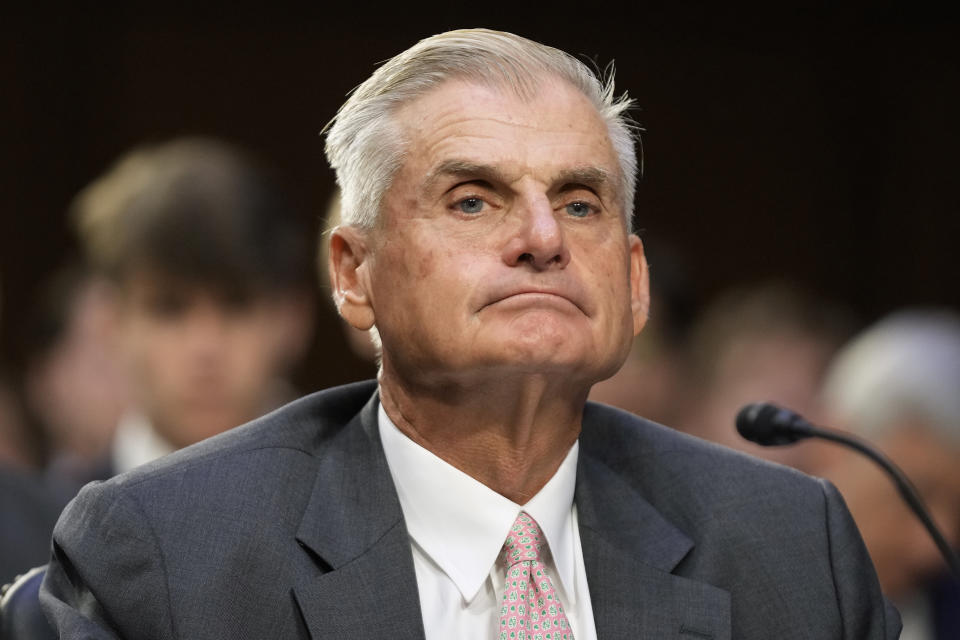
(769,425)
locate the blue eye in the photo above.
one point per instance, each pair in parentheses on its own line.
(579,209)
(470,205)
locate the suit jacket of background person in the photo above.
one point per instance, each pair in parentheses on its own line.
(290,527)
(28,511)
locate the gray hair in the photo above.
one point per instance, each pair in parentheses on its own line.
(907,366)
(364,145)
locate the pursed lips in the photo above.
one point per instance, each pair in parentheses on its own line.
(533,294)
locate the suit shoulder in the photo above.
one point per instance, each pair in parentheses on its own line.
(239,473)
(299,428)
(661,461)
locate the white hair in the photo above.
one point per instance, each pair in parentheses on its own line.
(905,367)
(364,145)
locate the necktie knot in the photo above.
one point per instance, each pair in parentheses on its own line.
(530,608)
(523,542)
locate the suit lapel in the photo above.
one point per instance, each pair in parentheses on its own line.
(629,551)
(358,579)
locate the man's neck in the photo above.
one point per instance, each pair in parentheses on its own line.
(511,435)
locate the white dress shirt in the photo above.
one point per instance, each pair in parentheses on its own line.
(457,528)
(135,443)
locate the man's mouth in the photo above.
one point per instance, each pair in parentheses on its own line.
(561,298)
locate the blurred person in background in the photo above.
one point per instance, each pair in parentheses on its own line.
(16,449)
(27,511)
(74,387)
(213,296)
(770,342)
(898,385)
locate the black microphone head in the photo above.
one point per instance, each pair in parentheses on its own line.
(769,425)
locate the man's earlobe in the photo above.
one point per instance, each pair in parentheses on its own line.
(639,284)
(349,277)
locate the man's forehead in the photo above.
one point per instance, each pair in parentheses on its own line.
(463,131)
(557,106)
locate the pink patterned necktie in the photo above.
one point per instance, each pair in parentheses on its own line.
(530,609)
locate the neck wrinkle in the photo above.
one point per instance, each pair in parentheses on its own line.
(512,441)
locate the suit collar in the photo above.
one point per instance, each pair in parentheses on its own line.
(607,505)
(630,551)
(353,502)
(359,579)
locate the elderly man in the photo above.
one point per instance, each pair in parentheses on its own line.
(472,493)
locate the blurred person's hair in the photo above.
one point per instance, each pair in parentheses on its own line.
(365,147)
(906,367)
(673,302)
(49,316)
(196,211)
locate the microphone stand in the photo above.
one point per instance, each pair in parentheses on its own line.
(769,425)
(903,484)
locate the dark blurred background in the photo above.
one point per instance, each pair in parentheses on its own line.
(814,144)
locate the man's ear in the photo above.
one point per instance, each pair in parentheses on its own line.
(350,276)
(639,284)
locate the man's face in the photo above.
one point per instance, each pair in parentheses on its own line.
(198,363)
(503,247)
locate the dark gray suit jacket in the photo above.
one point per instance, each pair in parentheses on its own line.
(28,511)
(290,527)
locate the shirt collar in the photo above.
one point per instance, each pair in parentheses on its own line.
(135,443)
(461,524)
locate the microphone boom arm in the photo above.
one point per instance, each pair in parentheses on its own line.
(769,425)
(903,484)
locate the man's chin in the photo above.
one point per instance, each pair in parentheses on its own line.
(564,349)
(508,357)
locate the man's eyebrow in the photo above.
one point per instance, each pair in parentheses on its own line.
(593,178)
(463,169)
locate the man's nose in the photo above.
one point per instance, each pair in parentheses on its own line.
(538,239)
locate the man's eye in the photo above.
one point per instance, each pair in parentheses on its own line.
(470,205)
(579,209)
